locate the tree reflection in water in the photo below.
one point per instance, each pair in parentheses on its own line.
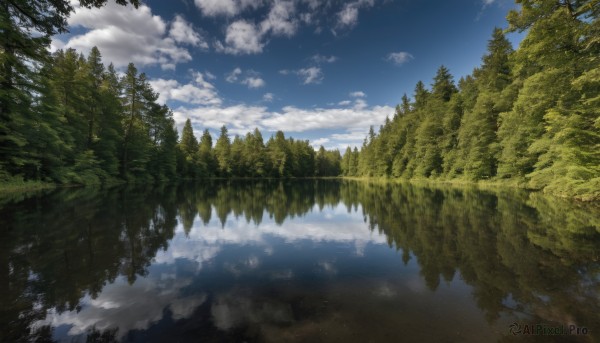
(525,256)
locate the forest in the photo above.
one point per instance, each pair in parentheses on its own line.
(527,117)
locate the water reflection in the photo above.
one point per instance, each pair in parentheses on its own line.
(295,260)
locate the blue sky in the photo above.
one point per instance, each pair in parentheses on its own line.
(319,70)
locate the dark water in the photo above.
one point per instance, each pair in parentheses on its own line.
(303,261)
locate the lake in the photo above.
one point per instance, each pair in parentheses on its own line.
(298,261)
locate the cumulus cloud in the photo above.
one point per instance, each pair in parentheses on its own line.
(319,59)
(183,32)
(201,103)
(349,136)
(239,119)
(280,20)
(358,94)
(209,75)
(295,119)
(124,306)
(360,104)
(399,58)
(318,142)
(268,97)
(198,92)
(246,37)
(241,37)
(310,75)
(244,118)
(348,15)
(307,75)
(252,78)
(233,76)
(56,44)
(253,82)
(125,34)
(212,8)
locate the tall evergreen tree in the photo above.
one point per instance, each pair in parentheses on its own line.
(206,160)
(223,153)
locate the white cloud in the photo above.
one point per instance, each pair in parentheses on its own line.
(212,8)
(226,8)
(268,97)
(314,4)
(344,103)
(233,76)
(124,34)
(56,44)
(240,119)
(350,136)
(323,59)
(280,20)
(310,75)
(209,75)
(318,142)
(360,104)
(183,32)
(199,92)
(348,16)
(127,307)
(358,94)
(253,82)
(399,58)
(241,37)
(298,120)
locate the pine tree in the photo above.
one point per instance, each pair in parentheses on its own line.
(346,162)
(479,146)
(443,86)
(26,30)
(206,160)
(279,155)
(136,142)
(223,153)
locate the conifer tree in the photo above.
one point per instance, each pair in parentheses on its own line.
(223,153)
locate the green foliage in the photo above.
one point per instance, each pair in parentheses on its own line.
(529,115)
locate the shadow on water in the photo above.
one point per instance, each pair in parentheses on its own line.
(519,257)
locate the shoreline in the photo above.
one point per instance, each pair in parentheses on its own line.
(18,186)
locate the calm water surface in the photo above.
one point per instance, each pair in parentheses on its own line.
(298,261)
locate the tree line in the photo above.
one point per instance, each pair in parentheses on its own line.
(65,118)
(250,156)
(529,116)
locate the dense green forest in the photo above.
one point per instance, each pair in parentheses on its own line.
(527,117)
(65,118)
(530,115)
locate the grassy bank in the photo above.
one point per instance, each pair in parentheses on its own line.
(589,195)
(19,186)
